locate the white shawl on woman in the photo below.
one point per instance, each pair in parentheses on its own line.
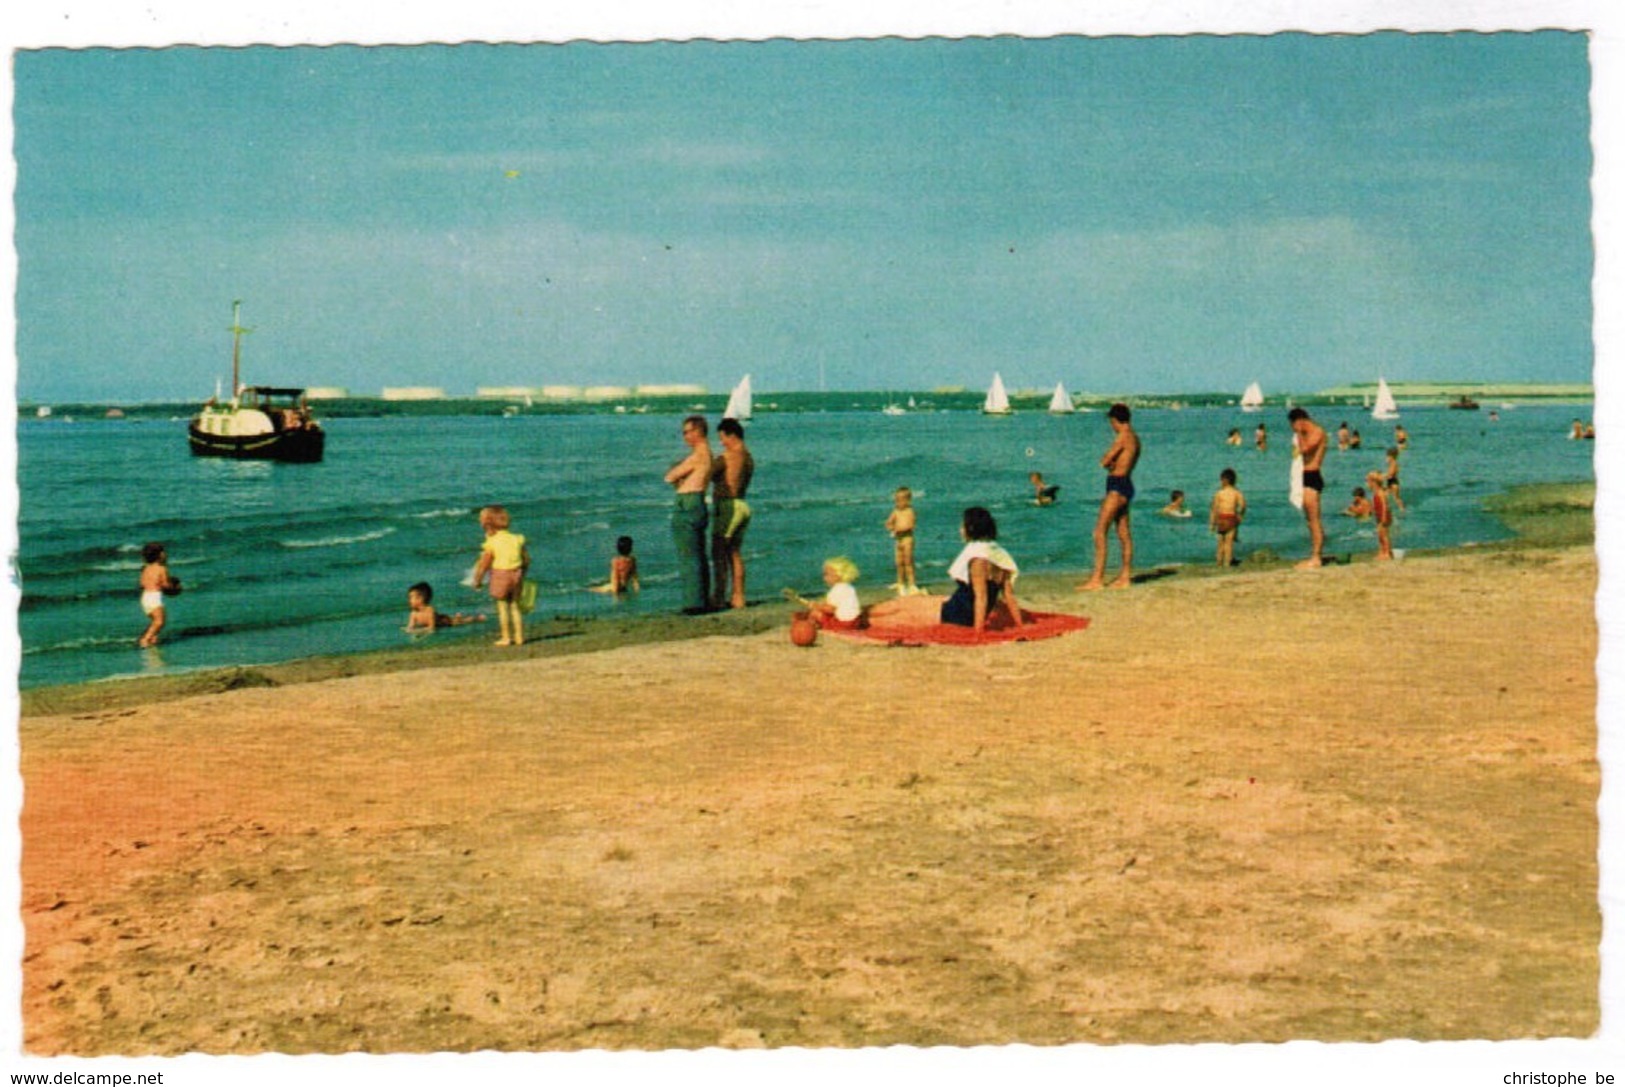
(982,549)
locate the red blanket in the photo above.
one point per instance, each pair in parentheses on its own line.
(908,623)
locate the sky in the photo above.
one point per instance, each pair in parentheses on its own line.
(1124,214)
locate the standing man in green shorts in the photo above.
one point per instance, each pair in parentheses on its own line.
(688,477)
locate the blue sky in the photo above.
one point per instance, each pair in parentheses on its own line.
(1124,214)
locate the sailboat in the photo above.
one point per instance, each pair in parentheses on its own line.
(739,401)
(1385,408)
(998,401)
(259,422)
(892,407)
(1060,403)
(1253,398)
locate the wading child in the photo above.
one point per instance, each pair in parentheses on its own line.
(900,523)
(1360,506)
(1175,506)
(1382,514)
(1224,517)
(421,613)
(1043,493)
(506,559)
(623,570)
(1390,479)
(156,583)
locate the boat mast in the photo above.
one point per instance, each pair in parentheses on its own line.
(237,331)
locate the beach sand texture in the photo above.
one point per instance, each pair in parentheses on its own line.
(1356,804)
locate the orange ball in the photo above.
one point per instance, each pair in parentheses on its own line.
(803,631)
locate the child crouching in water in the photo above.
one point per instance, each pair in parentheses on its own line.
(839,610)
(421,613)
(623,570)
(505,557)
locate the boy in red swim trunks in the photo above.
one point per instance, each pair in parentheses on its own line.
(1224,517)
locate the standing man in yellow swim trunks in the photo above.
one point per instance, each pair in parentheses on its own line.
(730,479)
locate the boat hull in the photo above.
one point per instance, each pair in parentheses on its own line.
(294,446)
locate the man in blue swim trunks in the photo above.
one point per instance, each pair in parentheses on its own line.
(1119,463)
(1311,439)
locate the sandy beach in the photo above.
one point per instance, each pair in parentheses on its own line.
(1354,804)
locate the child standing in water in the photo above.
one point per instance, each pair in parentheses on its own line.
(156,583)
(1382,515)
(1224,517)
(900,523)
(505,557)
(1390,479)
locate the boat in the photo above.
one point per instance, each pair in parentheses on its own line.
(1385,408)
(998,401)
(259,422)
(1060,403)
(1464,403)
(1253,398)
(739,401)
(893,408)
(43,411)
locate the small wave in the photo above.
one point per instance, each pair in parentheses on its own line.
(427,515)
(73,644)
(337,541)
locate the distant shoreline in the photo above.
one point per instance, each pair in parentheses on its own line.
(1541,516)
(1416,396)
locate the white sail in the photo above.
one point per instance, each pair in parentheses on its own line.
(998,401)
(1253,398)
(739,401)
(1060,403)
(1384,408)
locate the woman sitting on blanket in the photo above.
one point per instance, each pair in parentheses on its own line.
(984,575)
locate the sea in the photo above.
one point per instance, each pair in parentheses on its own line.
(284,561)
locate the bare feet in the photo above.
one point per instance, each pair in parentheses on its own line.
(1092,585)
(502,641)
(1309,564)
(1122,583)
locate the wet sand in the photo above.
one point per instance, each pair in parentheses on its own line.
(1352,804)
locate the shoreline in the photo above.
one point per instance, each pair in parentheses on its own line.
(1546,515)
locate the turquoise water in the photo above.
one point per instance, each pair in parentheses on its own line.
(286,561)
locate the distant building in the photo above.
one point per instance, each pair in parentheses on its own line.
(561,392)
(507,392)
(414,392)
(670,390)
(327,392)
(606,392)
